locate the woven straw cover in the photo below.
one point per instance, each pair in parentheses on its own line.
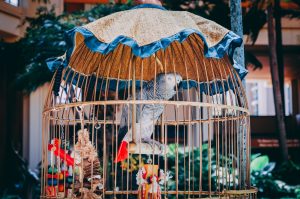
(146,26)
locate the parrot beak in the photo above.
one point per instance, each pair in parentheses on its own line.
(178,81)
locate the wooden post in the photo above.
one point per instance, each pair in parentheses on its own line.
(239,56)
(276,84)
(237,27)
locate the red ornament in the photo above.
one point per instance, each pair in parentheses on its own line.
(51,191)
(61,188)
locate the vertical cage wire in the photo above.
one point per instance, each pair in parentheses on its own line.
(197,152)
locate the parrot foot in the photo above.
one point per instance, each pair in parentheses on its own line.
(152,142)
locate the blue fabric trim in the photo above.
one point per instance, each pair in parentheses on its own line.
(54,62)
(226,45)
(214,87)
(148,6)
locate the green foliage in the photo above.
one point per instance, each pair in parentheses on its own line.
(189,167)
(44,38)
(274,182)
(259,163)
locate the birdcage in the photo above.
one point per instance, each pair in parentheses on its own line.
(149,104)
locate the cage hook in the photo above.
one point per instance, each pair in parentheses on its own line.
(74,99)
(149,160)
(79,109)
(97,126)
(53,105)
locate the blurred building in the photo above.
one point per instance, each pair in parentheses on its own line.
(259,85)
(14,12)
(260,90)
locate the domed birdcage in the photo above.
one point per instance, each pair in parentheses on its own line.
(147,103)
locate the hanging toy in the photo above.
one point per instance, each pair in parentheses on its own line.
(88,181)
(51,188)
(57,151)
(149,181)
(51,191)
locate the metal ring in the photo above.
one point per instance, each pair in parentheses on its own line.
(97,126)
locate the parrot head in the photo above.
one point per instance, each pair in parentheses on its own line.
(166,83)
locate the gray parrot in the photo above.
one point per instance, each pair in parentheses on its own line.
(163,87)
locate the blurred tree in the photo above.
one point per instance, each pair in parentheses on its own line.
(277,91)
(263,11)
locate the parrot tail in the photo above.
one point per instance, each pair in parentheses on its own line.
(123,152)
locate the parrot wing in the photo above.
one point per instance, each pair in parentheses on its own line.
(124,116)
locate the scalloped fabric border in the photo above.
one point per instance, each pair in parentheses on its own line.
(226,45)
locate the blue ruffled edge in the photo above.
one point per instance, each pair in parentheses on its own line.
(226,45)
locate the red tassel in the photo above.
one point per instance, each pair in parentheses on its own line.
(123,152)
